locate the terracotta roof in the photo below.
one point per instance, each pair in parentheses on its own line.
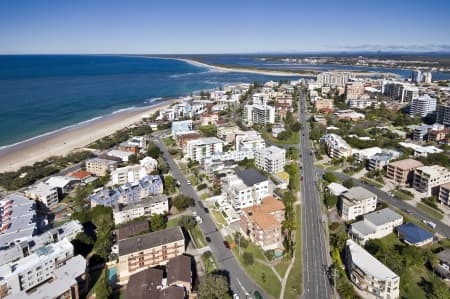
(407,164)
(270,204)
(81,174)
(261,214)
(264,220)
(179,269)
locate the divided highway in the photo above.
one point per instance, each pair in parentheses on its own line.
(315,247)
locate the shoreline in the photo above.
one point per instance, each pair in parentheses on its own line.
(62,141)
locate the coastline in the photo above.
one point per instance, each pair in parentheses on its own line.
(65,140)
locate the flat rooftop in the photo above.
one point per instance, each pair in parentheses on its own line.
(407,164)
(250,176)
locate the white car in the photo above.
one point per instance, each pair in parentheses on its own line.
(189,182)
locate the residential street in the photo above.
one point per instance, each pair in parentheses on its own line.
(240,283)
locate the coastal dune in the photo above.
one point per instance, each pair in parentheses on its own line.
(64,141)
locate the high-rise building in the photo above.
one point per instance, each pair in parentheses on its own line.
(443,114)
(353,90)
(337,79)
(259,114)
(422,106)
(399,91)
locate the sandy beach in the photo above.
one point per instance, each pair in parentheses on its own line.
(75,137)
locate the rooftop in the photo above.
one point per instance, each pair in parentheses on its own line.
(413,233)
(81,174)
(336,189)
(179,269)
(132,229)
(358,193)
(434,170)
(407,164)
(383,216)
(150,240)
(250,176)
(369,264)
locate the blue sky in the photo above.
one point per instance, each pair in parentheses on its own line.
(232,26)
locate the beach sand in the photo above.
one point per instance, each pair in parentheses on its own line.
(76,137)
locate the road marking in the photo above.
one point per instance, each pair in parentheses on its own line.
(242,287)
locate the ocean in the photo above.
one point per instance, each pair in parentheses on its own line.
(44,93)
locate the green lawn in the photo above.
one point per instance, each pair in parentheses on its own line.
(210,263)
(429,211)
(293,139)
(294,285)
(261,274)
(194,180)
(372,182)
(218,217)
(173,222)
(282,266)
(198,238)
(401,195)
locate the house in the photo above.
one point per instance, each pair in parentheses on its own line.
(43,192)
(271,159)
(263,223)
(369,274)
(82,175)
(51,270)
(247,187)
(149,250)
(402,171)
(150,283)
(375,225)
(122,155)
(100,167)
(18,219)
(336,146)
(443,267)
(357,201)
(145,207)
(198,149)
(428,178)
(414,235)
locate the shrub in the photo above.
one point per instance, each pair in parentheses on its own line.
(248,258)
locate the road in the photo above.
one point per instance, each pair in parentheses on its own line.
(441,227)
(240,283)
(315,247)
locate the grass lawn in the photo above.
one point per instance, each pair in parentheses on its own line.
(282,266)
(372,182)
(261,274)
(294,285)
(429,211)
(173,222)
(218,217)
(401,195)
(194,180)
(198,237)
(294,139)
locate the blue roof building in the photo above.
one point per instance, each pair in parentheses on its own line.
(414,235)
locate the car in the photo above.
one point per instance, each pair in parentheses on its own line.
(208,239)
(257,295)
(206,210)
(189,182)
(235,296)
(226,244)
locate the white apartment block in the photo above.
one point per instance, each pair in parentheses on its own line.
(99,166)
(259,114)
(357,201)
(375,225)
(201,148)
(33,270)
(230,156)
(128,174)
(249,140)
(337,79)
(246,189)
(361,103)
(428,178)
(422,106)
(146,207)
(400,91)
(369,274)
(336,146)
(43,192)
(271,159)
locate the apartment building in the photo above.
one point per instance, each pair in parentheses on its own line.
(357,201)
(47,267)
(249,140)
(149,250)
(100,167)
(444,194)
(362,103)
(45,193)
(129,147)
(128,174)
(337,79)
(324,105)
(184,137)
(369,274)
(259,114)
(271,159)
(428,178)
(402,171)
(381,160)
(375,225)
(246,188)
(422,106)
(181,126)
(146,207)
(336,146)
(399,91)
(262,223)
(228,133)
(353,90)
(18,220)
(443,114)
(201,148)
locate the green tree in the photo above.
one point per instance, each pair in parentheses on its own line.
(348,183)
(102,288)
(169,184)
(187,222)
(329,177)
(153,151)
(247,163)
(182,202)
(158,222)
(248,258)
(208,130)
(213,286)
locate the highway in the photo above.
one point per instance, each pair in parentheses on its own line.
(240,283)
(315,247)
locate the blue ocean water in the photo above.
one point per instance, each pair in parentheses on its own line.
(43,93)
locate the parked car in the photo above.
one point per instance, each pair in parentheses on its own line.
(257,295)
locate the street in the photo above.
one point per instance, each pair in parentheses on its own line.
(315,252)
(240,283)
